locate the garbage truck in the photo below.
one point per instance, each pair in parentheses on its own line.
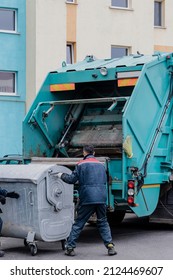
(124,108)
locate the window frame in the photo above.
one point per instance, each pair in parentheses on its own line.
(127,48)
(71,2)
(120,7)
(162,12)
(7,93)
(71,45)
(15,21)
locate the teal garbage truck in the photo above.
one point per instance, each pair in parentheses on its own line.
(124,108)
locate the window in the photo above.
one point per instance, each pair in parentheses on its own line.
(7,19)
(70,53)
(7,82)
(158,13)
(119,3)
(119,51)
(70,1)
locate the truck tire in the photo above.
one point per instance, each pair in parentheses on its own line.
(116,217)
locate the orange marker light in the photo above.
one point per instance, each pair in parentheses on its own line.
(62,87)
(127,82)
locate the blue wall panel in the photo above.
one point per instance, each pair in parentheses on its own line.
(11,127)
(13,58)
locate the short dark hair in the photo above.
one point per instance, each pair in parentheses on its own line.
(89,149)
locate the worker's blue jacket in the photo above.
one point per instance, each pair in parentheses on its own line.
(91,175)
(3,192)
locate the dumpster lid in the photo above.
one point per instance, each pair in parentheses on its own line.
(24,173)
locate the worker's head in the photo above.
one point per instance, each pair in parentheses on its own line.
(88,150)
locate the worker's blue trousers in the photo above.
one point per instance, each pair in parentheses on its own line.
(83,214)
(0,225)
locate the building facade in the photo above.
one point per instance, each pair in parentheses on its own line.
(71,29)
(68,30)
(12,74)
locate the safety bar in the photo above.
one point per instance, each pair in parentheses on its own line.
(114,100)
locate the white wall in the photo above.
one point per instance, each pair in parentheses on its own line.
(46,41)
(164,36)
(30,52)
(99,27)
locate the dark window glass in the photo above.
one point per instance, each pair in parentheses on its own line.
(119,3)
(118,52)
(7,19)
(157,13)
(7,82)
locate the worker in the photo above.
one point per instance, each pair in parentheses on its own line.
(3,194)
(91,175)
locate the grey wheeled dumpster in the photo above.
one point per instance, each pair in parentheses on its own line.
(45,209)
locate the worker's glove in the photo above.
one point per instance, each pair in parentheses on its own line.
(59,174)
(2,199)
(12,195)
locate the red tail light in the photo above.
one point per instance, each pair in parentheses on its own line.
(131,192)
(131,184)
(130,200)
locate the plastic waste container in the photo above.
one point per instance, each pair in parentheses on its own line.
(45,209)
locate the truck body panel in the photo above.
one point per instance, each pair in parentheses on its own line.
(124,107)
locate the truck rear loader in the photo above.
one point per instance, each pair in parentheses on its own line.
(124,108)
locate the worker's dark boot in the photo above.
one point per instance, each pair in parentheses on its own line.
(111,249)
(70,252)
(2,253)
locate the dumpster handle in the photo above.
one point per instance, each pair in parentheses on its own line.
(30,198)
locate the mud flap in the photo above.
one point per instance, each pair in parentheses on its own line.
(146,200)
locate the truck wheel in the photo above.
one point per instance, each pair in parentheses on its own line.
(116,217)
(33,249)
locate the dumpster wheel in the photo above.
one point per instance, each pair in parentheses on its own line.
(25,242)
(63,244)
(33,249)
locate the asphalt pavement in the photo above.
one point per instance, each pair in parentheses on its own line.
(134,239)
